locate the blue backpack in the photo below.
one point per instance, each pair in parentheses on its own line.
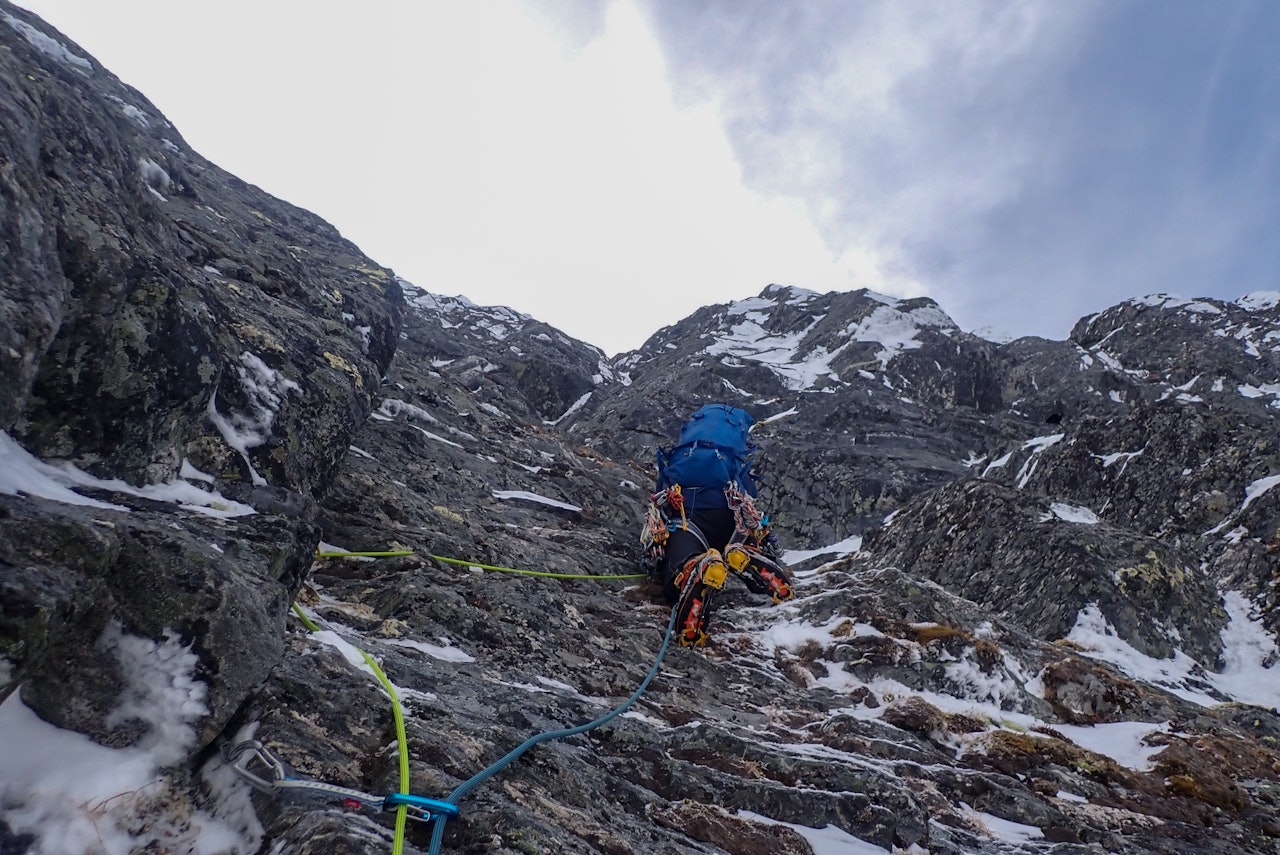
(714,449)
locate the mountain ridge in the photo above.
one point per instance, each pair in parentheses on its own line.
(1036,580)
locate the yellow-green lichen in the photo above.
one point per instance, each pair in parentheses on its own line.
(260,339)
(1151,572)
(336,361)
(371,271)
(448,514)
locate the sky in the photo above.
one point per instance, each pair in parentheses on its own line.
(610,166)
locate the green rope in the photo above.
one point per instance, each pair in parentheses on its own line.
(493,567)
(537,572)
(402,741)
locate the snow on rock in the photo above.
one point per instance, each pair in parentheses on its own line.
(1259,488)
(747,339)
(1259,301)
(23,474)
(264,390)
(534,497)
(1169,302)
(47,45)
(1071,514)
(802,364)
(73,795)
(896,331)
(1249,656)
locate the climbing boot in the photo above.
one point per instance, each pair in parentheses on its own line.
(760,574)
(698,582)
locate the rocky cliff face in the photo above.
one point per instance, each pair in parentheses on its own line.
(1036,581)
(200,353)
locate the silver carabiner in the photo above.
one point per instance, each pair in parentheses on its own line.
(244,753)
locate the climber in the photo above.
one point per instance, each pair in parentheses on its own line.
(703,522)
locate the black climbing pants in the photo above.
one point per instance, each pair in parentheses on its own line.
(715,524)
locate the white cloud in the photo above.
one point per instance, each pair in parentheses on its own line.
(474,151)
(609,167)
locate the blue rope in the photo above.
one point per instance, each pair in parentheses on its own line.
(437,836)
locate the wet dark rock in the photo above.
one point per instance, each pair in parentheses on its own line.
(1016,556)
(918,692)
(162,323)
(713,825)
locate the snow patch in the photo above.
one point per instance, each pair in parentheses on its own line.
(154,175)
(1249,654)
(827,840)
(74,795)
(1071,514)
(21,473)
(443,653)
(1259,300)
(1258,489)
(848,546)
(1001,829)
(48,46)
(533,497)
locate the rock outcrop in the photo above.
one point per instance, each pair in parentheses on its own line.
(167,331)
(1036,581)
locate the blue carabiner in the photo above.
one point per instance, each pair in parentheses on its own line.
(426,805)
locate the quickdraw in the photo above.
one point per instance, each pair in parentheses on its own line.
(274,779)
(747,518)
(653,536)
(672,497)
(658,526)
(752,526)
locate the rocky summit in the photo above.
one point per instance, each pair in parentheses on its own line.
(283,536)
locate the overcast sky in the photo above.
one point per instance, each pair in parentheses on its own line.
(609,167)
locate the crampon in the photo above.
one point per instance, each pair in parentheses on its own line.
(761,574)
(698,582)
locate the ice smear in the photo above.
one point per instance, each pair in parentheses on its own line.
(1071,514)
(848,546)
(827,840)
(533,497)
(21,473)
(264,391)
(436,651)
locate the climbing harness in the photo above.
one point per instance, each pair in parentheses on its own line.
(753,551)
